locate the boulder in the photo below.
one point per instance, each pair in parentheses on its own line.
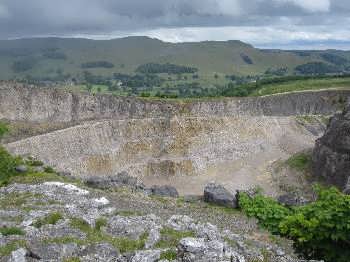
(331,155)
(218,195)
(291,200)
(99,252)
(21,169)
(167,191)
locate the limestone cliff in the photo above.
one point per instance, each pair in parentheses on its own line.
(331,157)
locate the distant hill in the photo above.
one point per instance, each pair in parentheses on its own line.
(50,57)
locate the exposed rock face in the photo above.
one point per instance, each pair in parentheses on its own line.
(33,104)
(331,156)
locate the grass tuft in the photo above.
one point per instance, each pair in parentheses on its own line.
(50,219)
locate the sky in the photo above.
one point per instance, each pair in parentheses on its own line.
(286,24)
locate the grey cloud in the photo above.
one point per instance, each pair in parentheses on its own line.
(20,18)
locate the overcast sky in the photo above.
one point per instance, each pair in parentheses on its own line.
(264,23)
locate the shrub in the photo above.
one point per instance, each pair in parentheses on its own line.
(300,162)
(7,166)
(267,210)
(321,230)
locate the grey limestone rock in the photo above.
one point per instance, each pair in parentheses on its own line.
(218,195)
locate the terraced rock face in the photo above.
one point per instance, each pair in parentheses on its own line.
(232,141)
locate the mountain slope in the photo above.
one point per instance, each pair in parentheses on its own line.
(52,56)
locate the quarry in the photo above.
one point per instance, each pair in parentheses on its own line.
(183,143)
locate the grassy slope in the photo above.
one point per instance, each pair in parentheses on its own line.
(300,85)
(128,53)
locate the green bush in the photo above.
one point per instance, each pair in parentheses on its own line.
(300,162)
(320,230)
(267,210)
(7,166)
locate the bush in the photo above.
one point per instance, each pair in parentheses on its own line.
(3,130)
(300,162)
(7,166)
(320,230)
(267,210)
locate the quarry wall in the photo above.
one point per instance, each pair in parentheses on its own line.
(27,103)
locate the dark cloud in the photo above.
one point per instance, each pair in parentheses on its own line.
(20,18)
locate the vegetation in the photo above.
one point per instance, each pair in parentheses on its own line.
(169,255)
(247,59)
(317,68)
(95,235)
(7,166)
(170,238)
(320,230)
(24,64)
(97,64)
(7,231)
(12,246)
(300,162)
(154,68)
(50,219)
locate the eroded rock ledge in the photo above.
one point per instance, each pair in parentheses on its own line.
(331,157)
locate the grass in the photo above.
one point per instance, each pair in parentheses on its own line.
(300,162)
(16,200)
(170,238)
(10,247)
(95,235)
(8,231)
(50,219)
(170,255)
(300,85)
(72,259)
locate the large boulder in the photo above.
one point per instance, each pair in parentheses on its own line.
(331,156)
(219,195)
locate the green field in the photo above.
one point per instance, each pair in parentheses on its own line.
(301,85)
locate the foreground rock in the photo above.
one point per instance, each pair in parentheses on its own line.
(56,221)
(218,195)
(331,156)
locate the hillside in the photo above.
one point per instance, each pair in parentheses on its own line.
(52,57)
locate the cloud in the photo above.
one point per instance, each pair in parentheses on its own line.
(310,5)
(255,21)
(4,12)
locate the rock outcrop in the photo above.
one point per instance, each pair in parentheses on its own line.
(91,227)
(331,156)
